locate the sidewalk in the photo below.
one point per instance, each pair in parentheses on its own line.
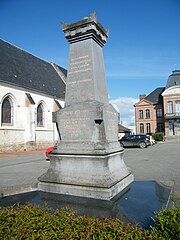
(21,153)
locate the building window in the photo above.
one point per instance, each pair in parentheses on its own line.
(159,112)
(141,114)
(178,107)
(171,127)
(170,107)
(148,127)
(147,113)
(141,128)
(178,126)
(40,115)
(7,112)
(160,127)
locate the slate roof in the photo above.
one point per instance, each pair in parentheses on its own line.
(155,96)
(22,69)
(173,79)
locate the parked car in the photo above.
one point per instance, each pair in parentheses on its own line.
(151,139)
(139,140)
(48,151)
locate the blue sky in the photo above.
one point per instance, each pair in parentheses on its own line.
(142,49)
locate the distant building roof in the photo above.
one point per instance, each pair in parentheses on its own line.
(22,69)
(121,128)
(173,79)
(155,96)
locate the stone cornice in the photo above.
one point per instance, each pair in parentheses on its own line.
(87,28)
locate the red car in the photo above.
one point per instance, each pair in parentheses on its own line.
(48,151)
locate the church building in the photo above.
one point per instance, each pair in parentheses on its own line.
(31,89)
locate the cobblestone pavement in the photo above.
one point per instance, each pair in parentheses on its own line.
(19,171)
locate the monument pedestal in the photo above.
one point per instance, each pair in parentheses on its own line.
(99,177)
(88,160)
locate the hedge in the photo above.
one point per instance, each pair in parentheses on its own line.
(158,136)
(34,222)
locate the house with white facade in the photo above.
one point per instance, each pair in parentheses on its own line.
(30,90)
(171,101)
(160,110)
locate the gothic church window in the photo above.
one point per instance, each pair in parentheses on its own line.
(7,112)
(40,115)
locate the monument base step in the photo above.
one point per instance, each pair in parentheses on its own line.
(85,191)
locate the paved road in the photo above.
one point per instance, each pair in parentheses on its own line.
(19,171)
(160,162)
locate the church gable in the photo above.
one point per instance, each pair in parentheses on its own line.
(22,69)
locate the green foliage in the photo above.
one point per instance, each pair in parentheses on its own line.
(158,136)
(167,223)
(34,222)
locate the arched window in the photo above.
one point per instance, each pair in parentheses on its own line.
(40,115)
(7,112)
(141,114)
(141,128)
(147,113)
(148,128)
(169,107)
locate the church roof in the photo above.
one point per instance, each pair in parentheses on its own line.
(155,96)
(173,79)
(22,69)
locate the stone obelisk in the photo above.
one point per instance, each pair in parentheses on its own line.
(88,160)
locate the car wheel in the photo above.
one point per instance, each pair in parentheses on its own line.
(142,145)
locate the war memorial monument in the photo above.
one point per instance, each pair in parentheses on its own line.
(88,159)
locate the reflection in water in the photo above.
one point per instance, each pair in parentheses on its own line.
(135,206)
(162,190)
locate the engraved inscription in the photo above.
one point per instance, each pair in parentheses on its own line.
(75,123)
(79,65)
(74,127)
(83,80)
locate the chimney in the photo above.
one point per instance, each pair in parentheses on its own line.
(142,96)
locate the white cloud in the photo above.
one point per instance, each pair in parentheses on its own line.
(125,106)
